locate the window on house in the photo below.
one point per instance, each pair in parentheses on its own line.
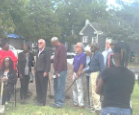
(85,39)
(93,39)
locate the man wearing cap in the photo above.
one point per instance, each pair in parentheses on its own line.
(60,72)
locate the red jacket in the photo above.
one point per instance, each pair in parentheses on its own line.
(9,53)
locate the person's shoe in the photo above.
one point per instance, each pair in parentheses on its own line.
(21,101)
(93,110)
(97,110)
(81,107)
(43,104)
(6,103)
(39,104)
(75,105)
(88,107)
(56,106)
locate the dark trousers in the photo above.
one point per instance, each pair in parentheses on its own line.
(24,86)
(41,87)
(8,90)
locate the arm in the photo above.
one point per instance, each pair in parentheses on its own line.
(55,61)
(99,88)
(80,69)
(13,79)
(20,64)
(90,69)
(101,64)
(87,64)
(48,62)
(82,65)
(62,56)
(32,59)
(14,58)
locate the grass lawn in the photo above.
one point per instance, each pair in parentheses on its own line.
(31,109)
(135,100)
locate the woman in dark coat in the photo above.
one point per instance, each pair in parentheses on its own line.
(25,62)
(8,79)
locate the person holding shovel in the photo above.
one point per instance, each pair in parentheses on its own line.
(8,78)
(79,64)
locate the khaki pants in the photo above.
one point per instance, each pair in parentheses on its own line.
(95,97)
(78,94)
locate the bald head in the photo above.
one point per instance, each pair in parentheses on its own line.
(94,47)
(41,44)
(79,47)
(55,41)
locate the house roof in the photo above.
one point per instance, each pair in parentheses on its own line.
(94,25)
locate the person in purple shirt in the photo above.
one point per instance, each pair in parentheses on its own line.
(77,77)
(60,72)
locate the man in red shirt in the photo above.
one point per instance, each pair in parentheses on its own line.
(6,52)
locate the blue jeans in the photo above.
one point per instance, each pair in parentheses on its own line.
(115,111)
(59,88)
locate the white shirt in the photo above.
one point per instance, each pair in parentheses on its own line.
(40,51)
(5,75)
(105,55)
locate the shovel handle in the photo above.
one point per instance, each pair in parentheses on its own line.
(2,87)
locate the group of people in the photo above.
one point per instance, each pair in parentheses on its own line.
(12,67)
(108,79)
(111,82)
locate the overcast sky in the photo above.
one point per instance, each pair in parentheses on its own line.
(112,2)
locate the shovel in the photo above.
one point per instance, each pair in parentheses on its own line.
(2,107)
(1,94)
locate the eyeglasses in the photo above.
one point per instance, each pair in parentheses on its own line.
(40,43)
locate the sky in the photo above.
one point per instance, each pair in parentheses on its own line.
(112,2)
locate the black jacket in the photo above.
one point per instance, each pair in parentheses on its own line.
(22,62)
(12,77)
(43,62)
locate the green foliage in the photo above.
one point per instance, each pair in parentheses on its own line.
(36,19)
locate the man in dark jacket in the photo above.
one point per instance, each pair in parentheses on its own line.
(43,63)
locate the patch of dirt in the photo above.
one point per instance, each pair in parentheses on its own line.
(50,93)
